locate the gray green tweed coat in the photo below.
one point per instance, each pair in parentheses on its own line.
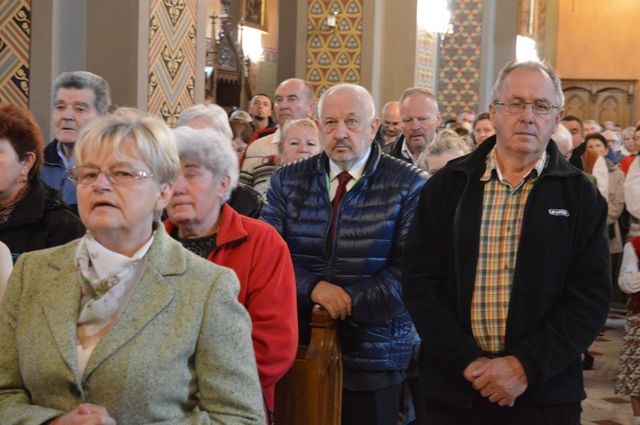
(181,352)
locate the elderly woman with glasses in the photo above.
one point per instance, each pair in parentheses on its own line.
(204,223)
(124,325)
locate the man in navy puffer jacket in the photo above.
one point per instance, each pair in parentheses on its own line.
(350,267)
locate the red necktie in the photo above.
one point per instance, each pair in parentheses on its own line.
(343,179)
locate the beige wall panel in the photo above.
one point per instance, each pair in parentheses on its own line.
(598,42)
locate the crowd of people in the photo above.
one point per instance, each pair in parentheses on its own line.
(168,275)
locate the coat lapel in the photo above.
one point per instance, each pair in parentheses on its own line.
(149,298)
(60,301)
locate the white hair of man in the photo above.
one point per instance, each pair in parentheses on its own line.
(611,135)
(81,80)
(363,96)
(212,149)
(594,124)
(218,118)
(542,66)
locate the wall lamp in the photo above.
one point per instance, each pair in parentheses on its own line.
(331,20)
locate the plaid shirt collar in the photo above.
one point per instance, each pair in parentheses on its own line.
(492,170)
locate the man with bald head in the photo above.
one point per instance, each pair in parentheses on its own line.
(293,100)
(390,129)
(345,214)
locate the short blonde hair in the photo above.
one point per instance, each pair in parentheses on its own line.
(448,141)
(305,123)
(151,137)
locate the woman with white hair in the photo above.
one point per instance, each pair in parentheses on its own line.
(244,199)
(204,223)
(206,116)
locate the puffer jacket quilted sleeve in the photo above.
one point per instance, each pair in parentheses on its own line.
(363,257)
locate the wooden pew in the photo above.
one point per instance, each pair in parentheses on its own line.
(311,392)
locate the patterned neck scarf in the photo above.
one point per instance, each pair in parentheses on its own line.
(106,276)
(7,210)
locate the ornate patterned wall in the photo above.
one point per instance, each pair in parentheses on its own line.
(333,56)
(459,59)
(426,60)
(15,40)
(172,57)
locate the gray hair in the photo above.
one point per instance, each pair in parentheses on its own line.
(217,117)
(419,91)
(595,123)
(240,115)
(212,149)
(85,80)
(628,132)
(534,65)
(363,96)
(466,111)
(615,136)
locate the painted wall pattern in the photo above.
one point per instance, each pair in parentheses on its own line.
(459,59)
(333,56)
(15,41)
(425,75)
(172,57)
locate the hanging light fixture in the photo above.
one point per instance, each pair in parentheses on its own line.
(252,43)
(434,17)
(526,49)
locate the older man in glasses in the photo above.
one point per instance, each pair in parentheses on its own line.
(506,268)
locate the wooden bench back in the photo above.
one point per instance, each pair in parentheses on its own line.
(311,391)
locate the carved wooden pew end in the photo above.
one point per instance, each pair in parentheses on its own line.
(311,391)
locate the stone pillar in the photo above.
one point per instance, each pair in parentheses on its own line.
(57,45)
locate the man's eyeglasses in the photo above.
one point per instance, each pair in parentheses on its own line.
(539,107)
(119,174)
